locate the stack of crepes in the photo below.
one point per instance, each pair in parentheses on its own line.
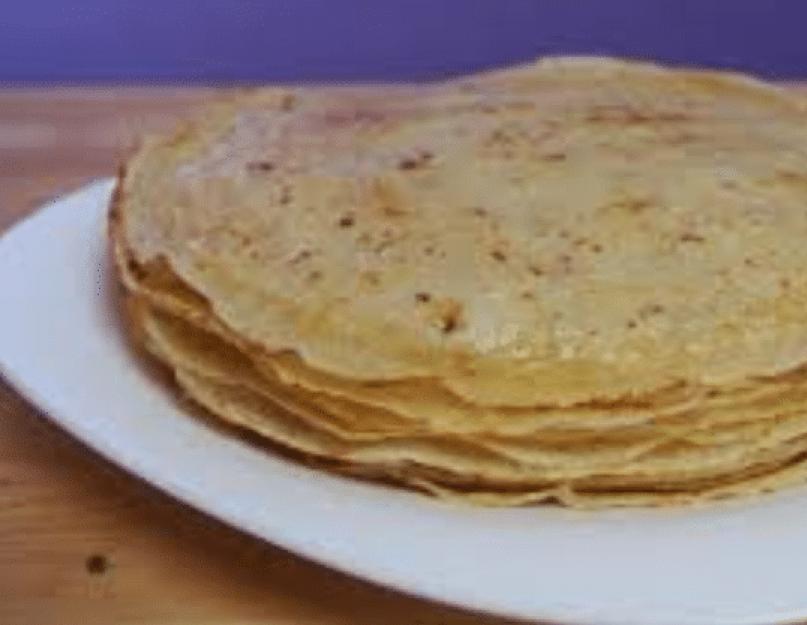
(579,280)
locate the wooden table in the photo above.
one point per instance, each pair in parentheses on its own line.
(82,542)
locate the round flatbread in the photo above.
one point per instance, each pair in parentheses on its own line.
(579,279)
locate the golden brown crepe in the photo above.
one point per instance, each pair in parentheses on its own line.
(579,280)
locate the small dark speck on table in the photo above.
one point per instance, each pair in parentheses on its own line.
(97,564)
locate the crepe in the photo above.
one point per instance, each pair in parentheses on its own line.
(578,280)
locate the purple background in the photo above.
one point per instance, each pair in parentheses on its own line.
(216,41)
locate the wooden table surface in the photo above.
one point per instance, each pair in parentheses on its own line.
(82,542)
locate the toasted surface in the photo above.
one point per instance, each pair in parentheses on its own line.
(579,280)
(568,231)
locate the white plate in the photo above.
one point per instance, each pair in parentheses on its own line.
(60,345)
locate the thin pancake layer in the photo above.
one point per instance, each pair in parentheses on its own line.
(428,406)
(568,231)
(579,280)
(626,462)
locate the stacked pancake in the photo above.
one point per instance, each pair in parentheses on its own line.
(580,281)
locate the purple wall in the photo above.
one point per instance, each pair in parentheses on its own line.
(251,41)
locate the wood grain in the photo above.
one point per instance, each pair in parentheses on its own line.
(83,543)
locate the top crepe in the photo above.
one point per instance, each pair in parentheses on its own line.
(570,231)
